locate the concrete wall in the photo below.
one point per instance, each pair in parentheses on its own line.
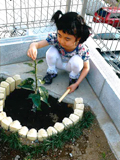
(105,84)
(101,77)
(14,50)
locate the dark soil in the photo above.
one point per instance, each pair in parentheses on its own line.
(19,107)
(7,153)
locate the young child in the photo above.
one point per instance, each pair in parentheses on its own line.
(67,51)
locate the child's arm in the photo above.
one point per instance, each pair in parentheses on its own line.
(83,74)
(32,51)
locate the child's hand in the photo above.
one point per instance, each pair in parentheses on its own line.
(32,52)
(72,87)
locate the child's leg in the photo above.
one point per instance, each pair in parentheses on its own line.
(74,66)
(53,58)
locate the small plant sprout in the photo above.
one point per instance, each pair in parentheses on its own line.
(40,92)
(103,155)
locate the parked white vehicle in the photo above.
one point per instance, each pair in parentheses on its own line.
(106,37)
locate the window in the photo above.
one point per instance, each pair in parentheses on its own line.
(115,15)
(102,13)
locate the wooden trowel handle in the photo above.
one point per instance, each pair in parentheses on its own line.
(63,96)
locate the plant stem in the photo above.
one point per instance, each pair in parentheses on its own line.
(36,85)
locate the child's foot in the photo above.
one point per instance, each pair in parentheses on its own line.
(48,78)
(72,81)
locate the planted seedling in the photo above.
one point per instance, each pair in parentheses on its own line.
(40,92)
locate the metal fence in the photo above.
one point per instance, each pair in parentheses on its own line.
(106,34)
(18,17)
(25,17)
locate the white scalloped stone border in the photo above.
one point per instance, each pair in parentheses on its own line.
(8,86)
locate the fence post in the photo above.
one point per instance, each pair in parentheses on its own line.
(84,8)
(68,2)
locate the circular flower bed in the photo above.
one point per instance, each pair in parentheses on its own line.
(7,123)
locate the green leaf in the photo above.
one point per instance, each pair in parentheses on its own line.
(32,71)
(36,100)
(44,95)
(29,64)
(29,87)
(40,61)
(27,83)
(43,92)
(41,81)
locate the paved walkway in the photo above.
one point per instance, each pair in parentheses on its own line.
(58,87)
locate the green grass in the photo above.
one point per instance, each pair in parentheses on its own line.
(103,155)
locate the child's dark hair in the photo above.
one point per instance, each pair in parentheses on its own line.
(71,23)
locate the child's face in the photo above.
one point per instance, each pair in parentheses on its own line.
(66,40)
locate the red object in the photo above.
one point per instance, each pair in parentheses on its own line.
(109,15)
